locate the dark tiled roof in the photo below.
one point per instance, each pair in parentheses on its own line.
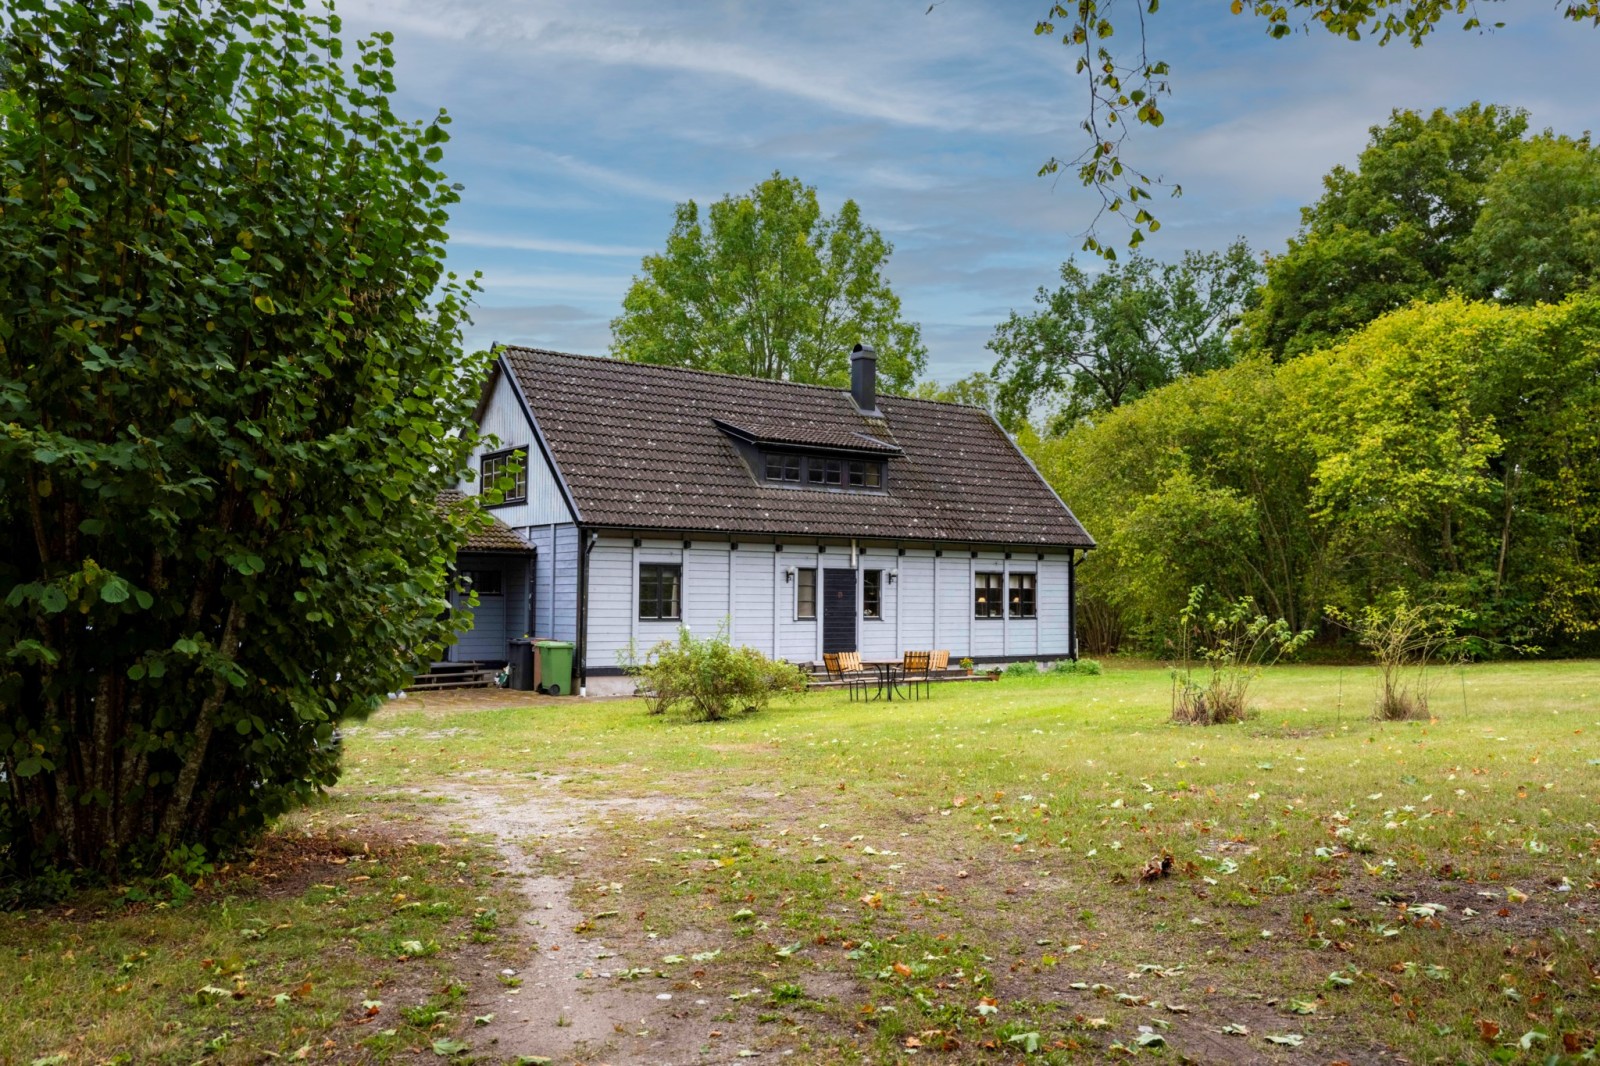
(499,537)
(798,432)
(639,448)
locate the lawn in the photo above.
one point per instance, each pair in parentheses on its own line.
(977,877)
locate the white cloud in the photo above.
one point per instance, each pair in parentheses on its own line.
(579,122)
(474,239)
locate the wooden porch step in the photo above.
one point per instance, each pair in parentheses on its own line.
(459,677)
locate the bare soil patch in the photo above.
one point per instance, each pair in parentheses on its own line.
(574,996)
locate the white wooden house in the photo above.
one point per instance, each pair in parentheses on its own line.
(805,519)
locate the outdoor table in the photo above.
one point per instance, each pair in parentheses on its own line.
(888,682)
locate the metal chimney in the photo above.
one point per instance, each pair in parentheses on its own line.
(864,379)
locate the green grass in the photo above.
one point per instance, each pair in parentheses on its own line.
(328,947)
(959,876)
(1309,845)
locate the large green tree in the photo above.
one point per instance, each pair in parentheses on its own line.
(231,383)
(768,286)
(1455,449)
(1446,449)
(1100,340)
(1537,234)
(1124,82)
(1196,483)
(1388,231)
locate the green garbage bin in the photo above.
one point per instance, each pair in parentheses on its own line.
(555,667)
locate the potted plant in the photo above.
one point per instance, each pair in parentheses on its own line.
(966,664)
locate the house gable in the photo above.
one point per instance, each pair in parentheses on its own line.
(504,423)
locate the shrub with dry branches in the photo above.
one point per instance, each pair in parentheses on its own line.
(1234,645)
(1404,639)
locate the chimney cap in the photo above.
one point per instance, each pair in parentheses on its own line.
(863,351)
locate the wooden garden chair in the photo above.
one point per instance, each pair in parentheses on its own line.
(839,666)
(914,667)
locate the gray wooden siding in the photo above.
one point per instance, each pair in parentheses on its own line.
(747,590)
(755,605)
(496,619)
(506,425)
(555,586)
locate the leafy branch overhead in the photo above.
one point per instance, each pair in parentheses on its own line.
(1124,84)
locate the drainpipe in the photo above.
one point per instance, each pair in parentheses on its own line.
(583,612)
(1072,605)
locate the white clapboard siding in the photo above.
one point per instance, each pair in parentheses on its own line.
(927,606)
(754,602)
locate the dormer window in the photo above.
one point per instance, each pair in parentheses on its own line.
(865,475)
(783,468)
(822,472)
(806,455)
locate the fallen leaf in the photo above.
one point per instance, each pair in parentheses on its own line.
(1158,867)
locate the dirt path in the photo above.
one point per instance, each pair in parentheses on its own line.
(568,1001)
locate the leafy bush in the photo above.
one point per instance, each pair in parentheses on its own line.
(1022,669)
(1404,638)
(232,384)
(1234,644)
(709,680)
(1084,667)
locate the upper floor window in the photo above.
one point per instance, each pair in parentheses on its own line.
(783,467)
(865,475)
(816,471)
(660,591)
(1023,602)
(987,595)
(497,464)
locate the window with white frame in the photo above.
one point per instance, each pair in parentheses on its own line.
(805,593)
(872,594)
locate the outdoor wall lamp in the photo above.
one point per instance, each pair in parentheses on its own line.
(788,575)
(893,574)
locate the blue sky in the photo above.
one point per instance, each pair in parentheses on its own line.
(578,125)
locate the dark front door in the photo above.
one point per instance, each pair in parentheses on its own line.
(838,610)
